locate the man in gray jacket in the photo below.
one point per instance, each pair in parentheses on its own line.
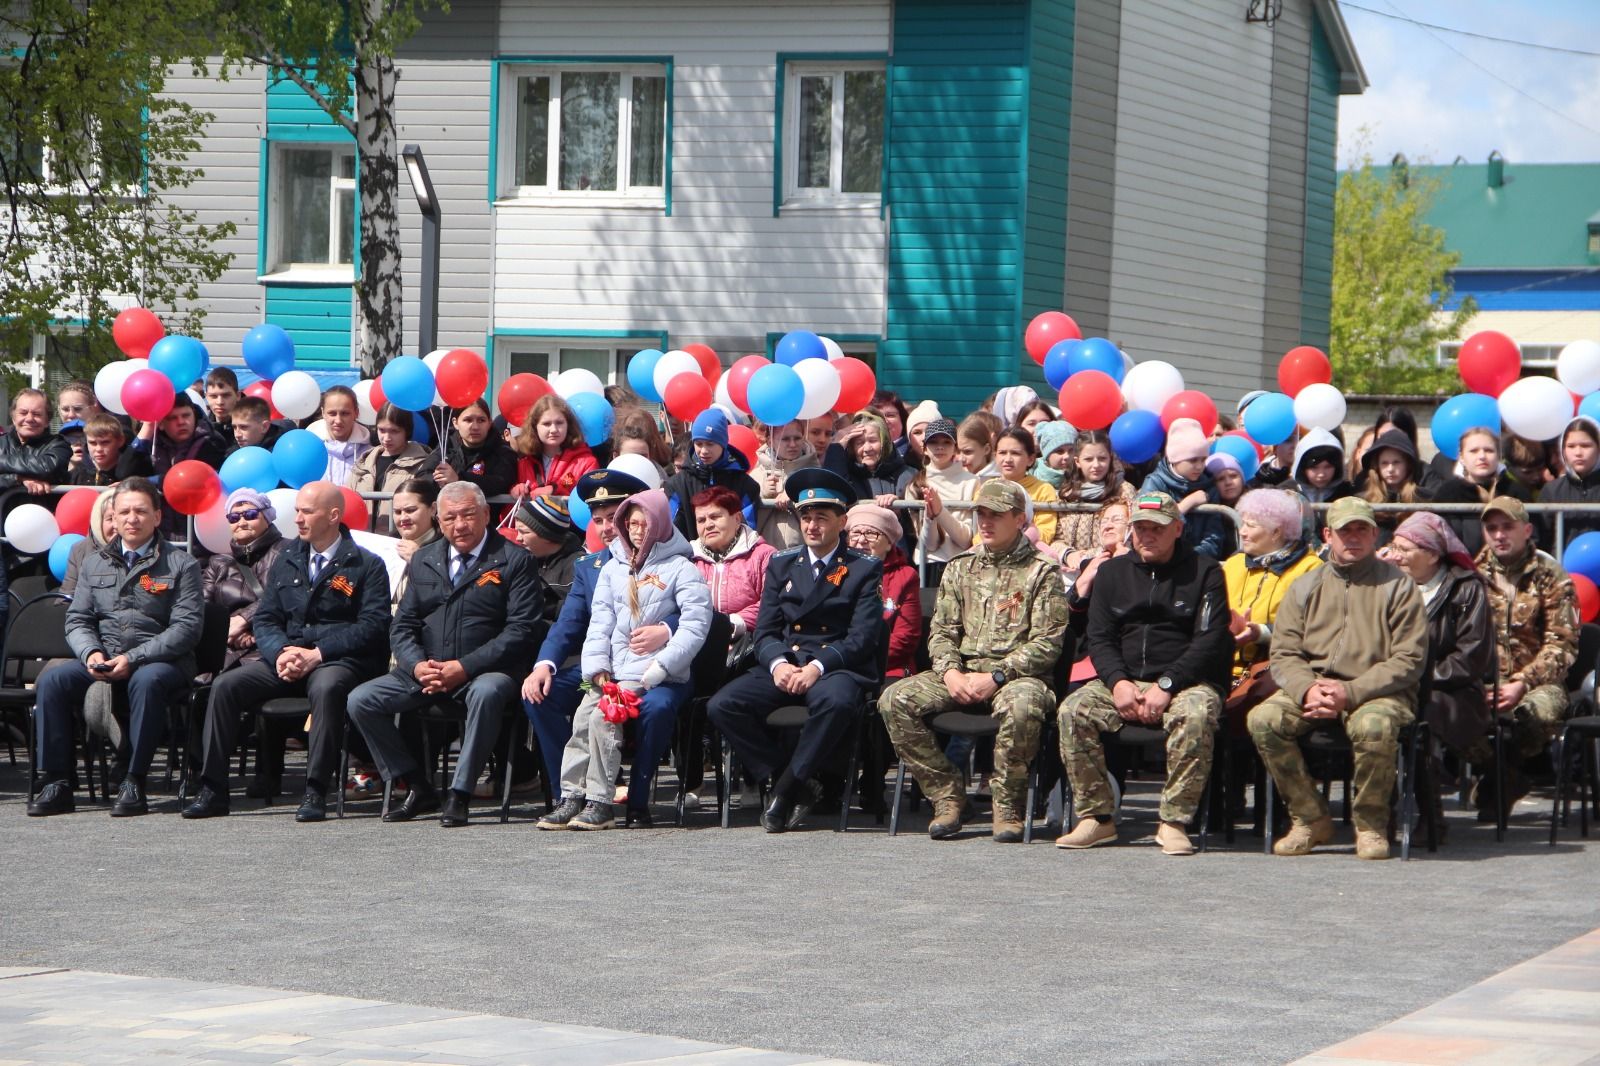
(135,620)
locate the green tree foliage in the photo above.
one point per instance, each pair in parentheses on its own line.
(89,148)
(1390,284)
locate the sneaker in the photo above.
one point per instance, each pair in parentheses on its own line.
(54,798)
(691,801)
(595,816)
(1174,840)
(1300,839)
(1371,844)
(1088,833)
(562,816)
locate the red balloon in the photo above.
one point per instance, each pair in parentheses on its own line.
(857,383)
(710,365)
(686,396)
(355,514)
(739,380)
(1048,330)
(1303,366)
(743,440)
(147,395)
(461,378)
(136,331)
(1588,598)
(191,487)
(1091,399)
(1190,403)
(72,510)
(375,396)
(262,390)
(1489,361)
(518,395)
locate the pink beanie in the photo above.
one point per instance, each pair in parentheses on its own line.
(1186,440)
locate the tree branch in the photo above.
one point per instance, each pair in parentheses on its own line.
(270,57)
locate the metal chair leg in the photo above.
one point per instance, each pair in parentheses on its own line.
(1270,815)
(1561,780)
(1499,782)
(894,809)
(728,775)
(1033,792)
(1403,798)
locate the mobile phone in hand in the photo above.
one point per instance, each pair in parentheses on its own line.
(101,668)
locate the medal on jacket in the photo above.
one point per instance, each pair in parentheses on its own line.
(342,584)
(488,577)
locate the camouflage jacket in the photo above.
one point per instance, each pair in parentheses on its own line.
(1537,638)
(1003,612)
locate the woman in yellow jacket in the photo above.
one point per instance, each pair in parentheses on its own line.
(1273,552)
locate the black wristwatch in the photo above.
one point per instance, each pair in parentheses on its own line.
(999,678)
(1164,683)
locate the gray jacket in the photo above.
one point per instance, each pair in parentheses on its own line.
(152,613)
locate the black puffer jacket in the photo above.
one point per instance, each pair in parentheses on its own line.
(345,613)
(1168,619)
(491,465)
(41,459)
(491,622)
(226,586)
(1461,651)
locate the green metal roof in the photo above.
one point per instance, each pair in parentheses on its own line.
(1539,219)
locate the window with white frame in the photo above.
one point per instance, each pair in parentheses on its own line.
(1538,356)
(547,356)
(113,162)
(833,132)
(312,213)
(584,132)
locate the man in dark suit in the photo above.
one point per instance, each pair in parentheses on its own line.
(321,627)
(816,642)
(468,623)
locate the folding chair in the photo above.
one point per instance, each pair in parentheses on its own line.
(709,671)
(37,634)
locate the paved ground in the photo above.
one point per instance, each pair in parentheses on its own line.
(860,946)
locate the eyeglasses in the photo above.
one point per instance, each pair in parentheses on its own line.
(865,534)
(249,514)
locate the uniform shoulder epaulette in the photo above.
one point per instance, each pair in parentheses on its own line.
(598,558)
(790,553)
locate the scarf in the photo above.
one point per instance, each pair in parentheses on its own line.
(1092,491)
(1427,530)
(1277,561)
(1048,474)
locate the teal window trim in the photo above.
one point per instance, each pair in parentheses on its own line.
(301,135)
(521,60)
(1022,172)
(262,198)
(784,59)
(300,131)
(657,335)
(876,339)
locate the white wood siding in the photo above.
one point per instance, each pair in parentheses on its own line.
(720,269)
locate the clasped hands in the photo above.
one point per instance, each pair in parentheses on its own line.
(1325,699)
(437,677)
(295,663)
(795,680)
(1146,707)
(969,688)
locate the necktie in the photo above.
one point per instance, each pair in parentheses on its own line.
(463,564)
(817,567)
(317,563)
(131,558)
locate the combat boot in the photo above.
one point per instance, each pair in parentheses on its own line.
(1088,833)
(1007,825)
(946,818)
(1371,844)
(1300,839)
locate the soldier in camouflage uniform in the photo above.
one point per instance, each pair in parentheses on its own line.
(995,638)
(1158,638)
(1536,632)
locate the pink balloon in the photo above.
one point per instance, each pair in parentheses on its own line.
(147,395)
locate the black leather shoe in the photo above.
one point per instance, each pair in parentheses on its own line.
(130,800)
(416,802)
(54,798)
(638,816)
(207,804)
(810,795)
(264,787)
(455,809)
(313,807)
(775,819)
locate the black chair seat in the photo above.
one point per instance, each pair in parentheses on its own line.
(792,716)
(1133,733)
(285,706)
(1585,730)
(965,724)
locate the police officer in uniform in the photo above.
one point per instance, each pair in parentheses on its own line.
(817,641)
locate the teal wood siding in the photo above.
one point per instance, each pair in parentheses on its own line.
(317,317)
(1044,263)
(290,112)
(958,114)
(1322,126)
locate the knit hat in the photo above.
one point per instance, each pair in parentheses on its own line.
(924,412)
(939,427)
(872,516)
(712,425)
(1220,461)
(251,498)
(1186,440)
(1249,398)
(1052,435)
(546,516)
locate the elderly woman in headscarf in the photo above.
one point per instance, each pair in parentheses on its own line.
(1460,635)
(1009,402)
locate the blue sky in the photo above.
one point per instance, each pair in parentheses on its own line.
(1433,104)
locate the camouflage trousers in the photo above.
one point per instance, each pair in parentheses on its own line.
(1536,721)
(1277,725)
(1020,707)
(1190,723)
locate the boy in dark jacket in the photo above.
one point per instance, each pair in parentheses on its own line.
(711,462)
(1182,475)
(106,459)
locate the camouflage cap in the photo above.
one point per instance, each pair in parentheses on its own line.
(1350,509)
(1155,507)
(1001,496)
(1509,506)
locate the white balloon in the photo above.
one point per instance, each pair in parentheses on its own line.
(1578,366)
(1536,408)
(433,359)
(638,466)
(569,383)
(736,417)
(212,529)
(1148,386)
(283,503)
(1319,406)
(295,393)
(365,412)
(109,381)
(719,395)
(670,366)
(834,351)
(822,384)
(31,529)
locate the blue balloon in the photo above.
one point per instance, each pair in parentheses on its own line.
(1270,419)
(1097,353)
(421,431)
(268,351)
(641,373)
(59,552)
(181,360)
(776,394)
(1242,450)
(1137,436)
(578,511)
(1457,415)
(1590,407)
(795,346)
(1058,362)
(1583,556)
(249,468)
(408,383)
(595,416)
(299,458)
